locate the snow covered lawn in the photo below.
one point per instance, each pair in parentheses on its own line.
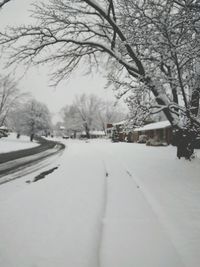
(11,143)
(107,205)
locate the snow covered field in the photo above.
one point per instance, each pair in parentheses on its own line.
(11,143)
(107,205)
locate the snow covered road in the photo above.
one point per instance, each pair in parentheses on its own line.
(90,212)
(56,221)
(14,169)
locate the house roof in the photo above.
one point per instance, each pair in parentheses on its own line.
(120,123)
(3,128)
(153,126)
(95,133)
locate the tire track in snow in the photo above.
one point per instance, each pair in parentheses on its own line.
(152,205)
(105,200)
(18,168)
(104,204)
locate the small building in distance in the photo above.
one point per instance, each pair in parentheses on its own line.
(116,132)
(93,134)
(4,131)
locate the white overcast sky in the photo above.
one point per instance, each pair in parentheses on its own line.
(36,80)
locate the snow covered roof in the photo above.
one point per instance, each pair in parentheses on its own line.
(94,133)
(120,123)
(97,132)
(3,128)
(154,126)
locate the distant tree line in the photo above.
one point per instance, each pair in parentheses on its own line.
(90,112)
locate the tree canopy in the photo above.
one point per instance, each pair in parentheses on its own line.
(152,43)
(32,117)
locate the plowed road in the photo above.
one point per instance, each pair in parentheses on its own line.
(27,160)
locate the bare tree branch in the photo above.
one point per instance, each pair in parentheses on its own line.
(2,3)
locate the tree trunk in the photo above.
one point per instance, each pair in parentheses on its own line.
(159,99)
(184,140)
(195,98)
(74,134)
(87,131)
(31,137)
(88,134)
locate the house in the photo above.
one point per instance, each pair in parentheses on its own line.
(109,129)
(160,131)
(97,134)
(116,131)
(4,131)
(93,134)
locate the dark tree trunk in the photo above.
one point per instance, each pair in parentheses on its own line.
(88,134)
(159,100)
(87,131)
(74,134)
(195,98)
(175,96)
(184,140)
(31,137)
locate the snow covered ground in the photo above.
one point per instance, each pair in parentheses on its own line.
(11,143)
(107,205)
(171,187)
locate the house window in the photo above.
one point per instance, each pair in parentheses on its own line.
(161,134)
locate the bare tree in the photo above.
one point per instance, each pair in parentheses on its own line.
(10,97)
(84,113)
(153,41)
(109,113)
(72,120)
(90,112)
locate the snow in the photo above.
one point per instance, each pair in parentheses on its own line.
(120,123)
(11,143)
(109,205)
(95,132)
(171,187)
(3,127)
(154,126)
(53,222)
(11,164)
(100,133)
(133,236)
